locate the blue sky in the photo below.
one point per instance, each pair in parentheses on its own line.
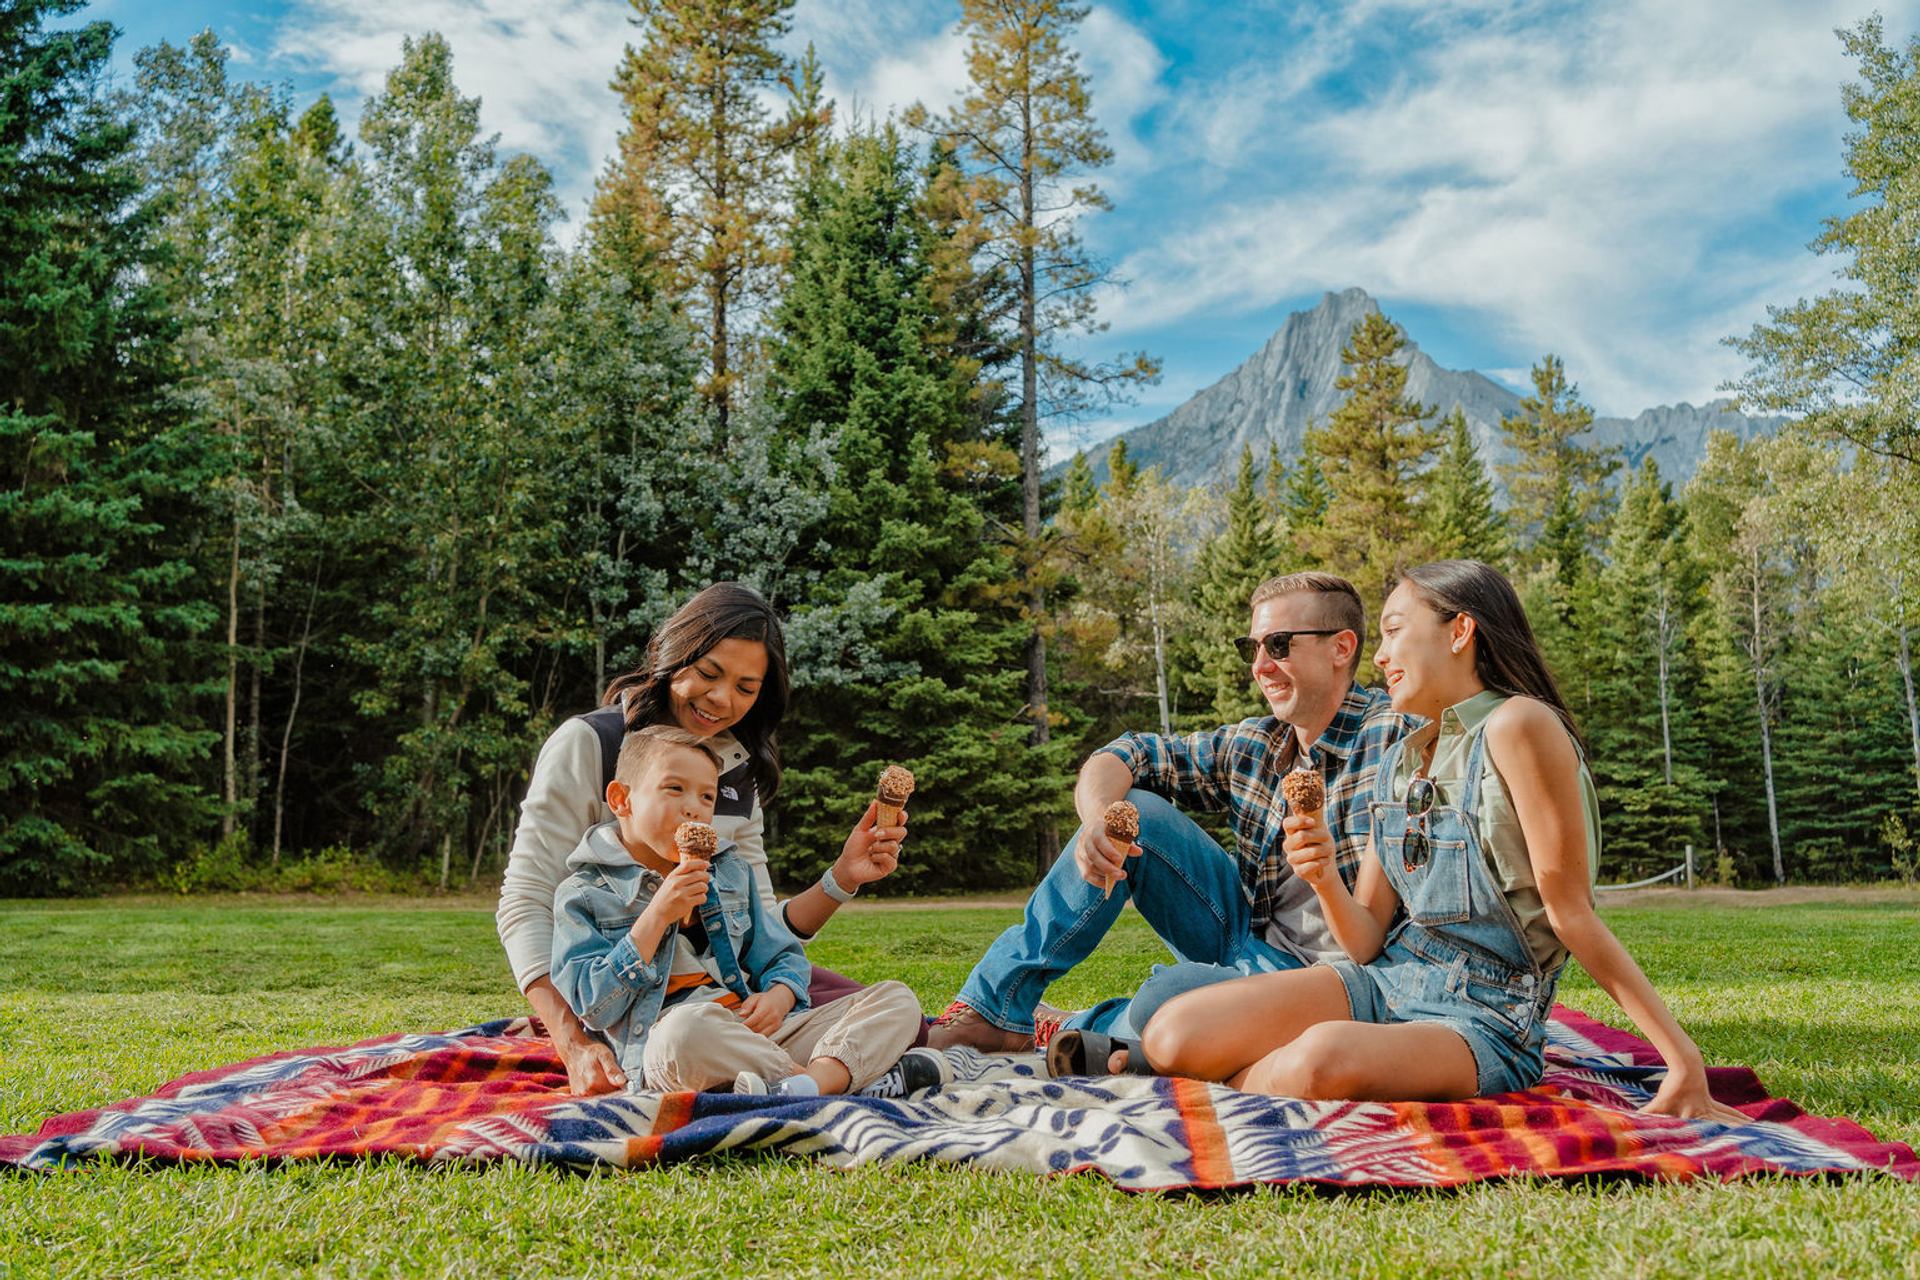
(1621,184)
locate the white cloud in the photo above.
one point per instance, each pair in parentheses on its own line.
(1581,185)
(1577,178)
(541,71)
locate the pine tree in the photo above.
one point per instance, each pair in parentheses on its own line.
(1025,137)
(451,273)
(1843,362)
(1079,492)
(907,646)
(101,673)
(1639,727)
(1374,450)
(1461,516)
(1740,529)
(1243,555)
(696,195)
(249,197)
(1303,503)
(1842,754)
(1557,492)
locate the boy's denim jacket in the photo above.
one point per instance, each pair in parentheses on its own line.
(602,976)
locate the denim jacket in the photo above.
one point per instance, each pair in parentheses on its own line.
(601,974)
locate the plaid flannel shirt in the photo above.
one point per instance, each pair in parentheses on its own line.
(1238,767)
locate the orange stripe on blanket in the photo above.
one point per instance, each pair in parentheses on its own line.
(674,1112)
(1212,1162)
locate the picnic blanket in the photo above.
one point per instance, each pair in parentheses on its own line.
(497,1092)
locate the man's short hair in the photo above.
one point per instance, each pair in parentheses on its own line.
(641,745)
(1338,604)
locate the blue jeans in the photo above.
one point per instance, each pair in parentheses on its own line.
(1186,886)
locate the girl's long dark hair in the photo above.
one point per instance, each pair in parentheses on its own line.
(1506,656)
(723,611)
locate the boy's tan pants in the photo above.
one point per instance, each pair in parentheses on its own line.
(704,1045)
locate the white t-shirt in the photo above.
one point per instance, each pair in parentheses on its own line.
(564,799)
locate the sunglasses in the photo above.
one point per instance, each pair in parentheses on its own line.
(1278,644)
(1417,850)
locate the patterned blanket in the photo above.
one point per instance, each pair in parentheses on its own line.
(497,1091)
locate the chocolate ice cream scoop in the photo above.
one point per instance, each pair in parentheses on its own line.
(896,784)
(1122,820)
(696,840)
(1305,792)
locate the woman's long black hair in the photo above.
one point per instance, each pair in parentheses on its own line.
(1506,656)
(723,611)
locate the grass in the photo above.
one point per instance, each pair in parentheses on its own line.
(107,999)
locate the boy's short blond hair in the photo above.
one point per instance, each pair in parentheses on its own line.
(641,745)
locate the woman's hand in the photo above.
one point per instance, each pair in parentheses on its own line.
(591,1066)
(1309,849)
(1683,1094)
(870,853)
(764,1011)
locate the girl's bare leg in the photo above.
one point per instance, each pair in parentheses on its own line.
(1399,1062)
(1218,1032)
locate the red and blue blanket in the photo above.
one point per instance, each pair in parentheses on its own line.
(497,1092)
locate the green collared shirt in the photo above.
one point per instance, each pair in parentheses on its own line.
(1501,838)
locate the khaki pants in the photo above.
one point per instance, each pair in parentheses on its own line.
(704,1046)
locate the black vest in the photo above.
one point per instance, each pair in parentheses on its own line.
(609,725)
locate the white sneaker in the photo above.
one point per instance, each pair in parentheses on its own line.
(917,1069)
(749,1082)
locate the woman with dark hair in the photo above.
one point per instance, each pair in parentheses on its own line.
(718,669)
(1485,828)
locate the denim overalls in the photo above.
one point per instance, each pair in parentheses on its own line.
(1459,956)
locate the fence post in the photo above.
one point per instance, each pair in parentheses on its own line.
(1689,866)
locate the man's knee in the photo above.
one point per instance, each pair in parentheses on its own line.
(1174,980)
(1158,814)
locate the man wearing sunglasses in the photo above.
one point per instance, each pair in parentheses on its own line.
(1224,914)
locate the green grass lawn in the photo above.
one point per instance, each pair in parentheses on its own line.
(106,999)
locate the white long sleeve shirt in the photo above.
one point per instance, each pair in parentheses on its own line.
(564,799)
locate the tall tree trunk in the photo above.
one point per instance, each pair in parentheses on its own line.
(255,663)
(1766,729)
(1913,709)
(229,772)
(1773,808)
(286,732)
(717,276)
(486,834)
(1160,668)
(1049,845)
(1662,628)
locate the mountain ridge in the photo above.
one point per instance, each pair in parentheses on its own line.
(1288,384)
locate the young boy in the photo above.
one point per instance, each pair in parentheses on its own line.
(686,1005)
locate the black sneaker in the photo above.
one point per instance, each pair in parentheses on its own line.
(917,1069)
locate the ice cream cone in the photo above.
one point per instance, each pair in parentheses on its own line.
(1123,824)
(896,784)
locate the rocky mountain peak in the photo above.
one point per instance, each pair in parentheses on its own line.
(1288,385)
